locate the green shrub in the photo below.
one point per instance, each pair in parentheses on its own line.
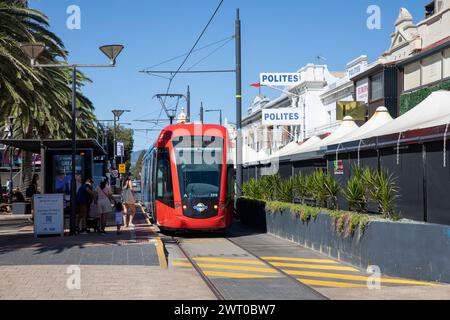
(317,189)
(301,188)
(333,189)
(356,195)
(249,189)
(385,192)
(285,190)
(305,212)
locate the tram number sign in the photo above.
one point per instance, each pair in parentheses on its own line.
(122,168)
(115,173)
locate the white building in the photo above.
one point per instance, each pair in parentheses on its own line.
(306,96)
(342,89)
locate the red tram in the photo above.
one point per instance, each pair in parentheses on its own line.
(188,178)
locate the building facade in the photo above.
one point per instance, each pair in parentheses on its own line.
(340,90)
(306,96)
(418,58)
(429,68)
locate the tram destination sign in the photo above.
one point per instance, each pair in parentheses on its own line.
(279,79)
(281,117)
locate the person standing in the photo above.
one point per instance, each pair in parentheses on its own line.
(85,196)
(31,191)
(119,214)
(105,199)
(129,201)
(8,187)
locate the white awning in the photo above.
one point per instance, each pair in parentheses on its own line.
(433,111)
(347,126)
(249,155)
(380,118)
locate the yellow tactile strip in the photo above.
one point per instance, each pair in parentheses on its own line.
(231,267)
(331,273)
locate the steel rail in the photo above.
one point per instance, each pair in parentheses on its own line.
(197,268)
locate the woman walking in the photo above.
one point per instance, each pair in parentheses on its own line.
(105,199)
(128,201)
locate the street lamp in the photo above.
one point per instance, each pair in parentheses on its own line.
(33,51)
(216,110)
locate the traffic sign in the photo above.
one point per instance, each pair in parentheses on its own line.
(122,168)
(115,173)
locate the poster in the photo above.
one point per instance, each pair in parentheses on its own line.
(338,167)
(48,214)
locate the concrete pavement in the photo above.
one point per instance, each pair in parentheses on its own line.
(92,266)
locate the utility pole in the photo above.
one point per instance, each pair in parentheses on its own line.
(239,175)
(201,112)
(188,105)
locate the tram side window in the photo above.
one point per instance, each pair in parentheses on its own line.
(164,187)
(230,182)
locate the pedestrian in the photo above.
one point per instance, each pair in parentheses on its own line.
(85,196)
(128,201)
(33,187)
(105,199)
(31,191)
(8,187)
(119,215)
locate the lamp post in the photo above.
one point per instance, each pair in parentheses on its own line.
(216,110)
(33,51)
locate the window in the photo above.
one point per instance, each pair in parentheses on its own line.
(164,187)
(199,165)
(230,182)
(377,87)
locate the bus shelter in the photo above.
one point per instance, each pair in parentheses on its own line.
(56,163)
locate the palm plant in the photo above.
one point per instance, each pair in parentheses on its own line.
(270,187)
(286,190)
(333,189)
(38,98)
(317,188)
(355,194)
(385,193)
(251,189)
(301,187)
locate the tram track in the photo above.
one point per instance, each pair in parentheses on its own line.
(217,292)
(300,284)
(197,268)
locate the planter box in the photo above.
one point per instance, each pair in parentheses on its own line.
(411,250)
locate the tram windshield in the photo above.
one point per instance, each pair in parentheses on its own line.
(199,165)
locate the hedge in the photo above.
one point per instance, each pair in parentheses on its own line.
(410,100)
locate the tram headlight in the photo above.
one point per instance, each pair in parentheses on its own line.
(185,207)
(216,207)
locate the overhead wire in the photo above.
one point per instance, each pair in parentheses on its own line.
(185,54)
(209,55)
(186,57)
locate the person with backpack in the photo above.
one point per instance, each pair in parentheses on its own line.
(85,196)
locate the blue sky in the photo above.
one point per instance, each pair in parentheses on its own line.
(278,36)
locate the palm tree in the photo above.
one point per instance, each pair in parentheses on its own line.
(38,98)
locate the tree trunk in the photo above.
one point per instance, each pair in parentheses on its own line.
(27,162)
